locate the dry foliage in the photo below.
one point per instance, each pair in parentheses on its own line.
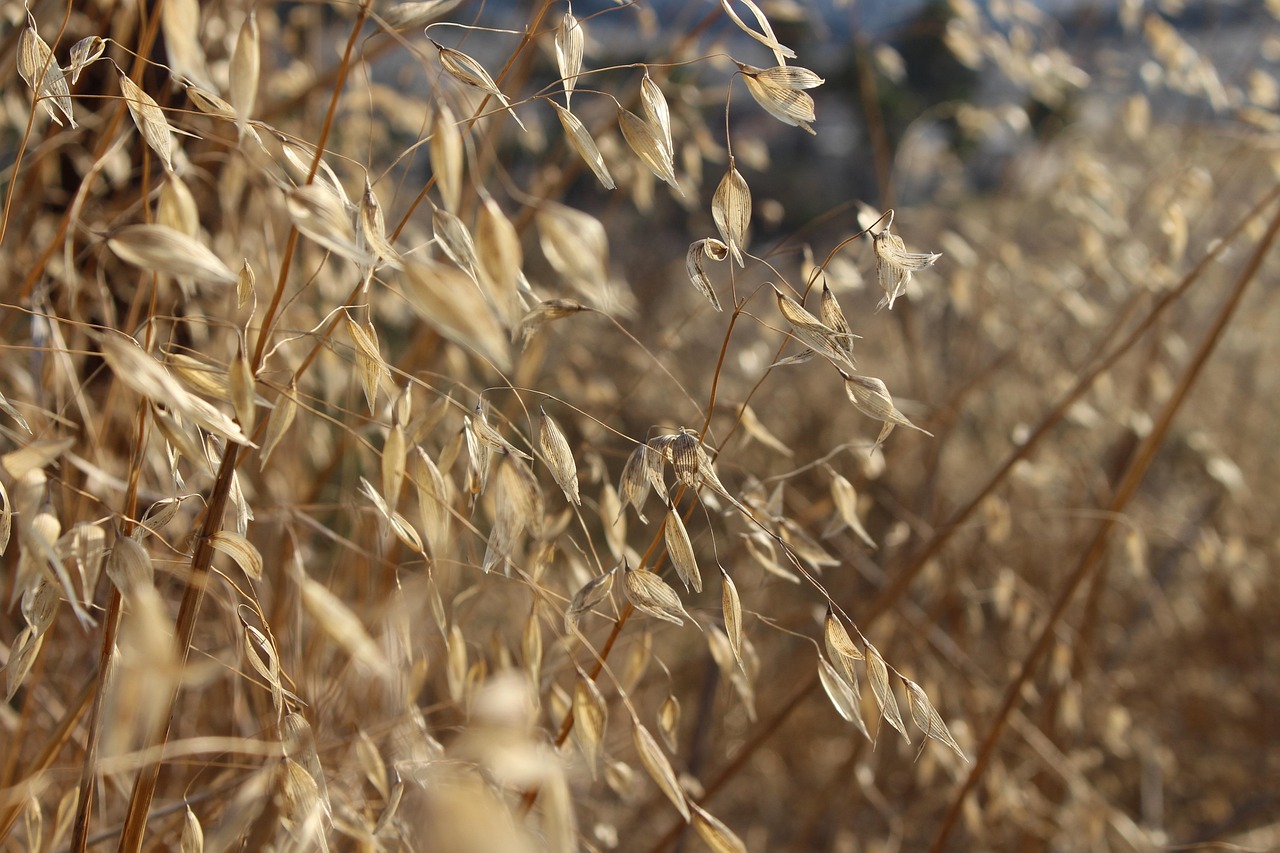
(368,464)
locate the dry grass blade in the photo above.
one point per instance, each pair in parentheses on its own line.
(43,75)
(842,694)
(649,146)
(659,768)
(34,455)
(570,41)
(452,304)
(810,331)
(149,119)
(651,595)
(559,457)
(714,833)
(240,549)
(8,409)
(447,156)
(708,248)
(6,519)
(780,91)
(894,265)
(590,717)
(467,70)
(158,248)
(580,139)
(928,719)
(731,210)
(680,550)
(765,36)
(878,678)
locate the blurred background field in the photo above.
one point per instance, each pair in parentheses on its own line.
(364,611)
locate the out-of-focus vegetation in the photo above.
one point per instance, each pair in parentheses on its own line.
(462,427)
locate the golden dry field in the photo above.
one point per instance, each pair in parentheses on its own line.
(804,425)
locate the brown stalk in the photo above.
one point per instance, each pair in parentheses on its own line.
(188,612)
(1133,478)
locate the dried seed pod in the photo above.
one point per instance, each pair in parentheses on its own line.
(780,91)
(841,693)
(669,722)
(714,833)
(656,110)
(813,333)
(593,592)
(833,318)
(731,606)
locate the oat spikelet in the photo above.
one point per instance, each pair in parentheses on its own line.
(715,833)
(467,70)
(570,41)
(765,36)
(590,717)
(580,139)
(878,678)
(656,110)
(159,248)
(780,91)
(559,457)
(149,119)
(731,210)
(649,146)
(731,606)
(841,693)
(240,549)
(894,265)
(43,74)
(680,550)
(928,719)
(871,397)
(651,595)
(813,333)
(659,768)
(708,248)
